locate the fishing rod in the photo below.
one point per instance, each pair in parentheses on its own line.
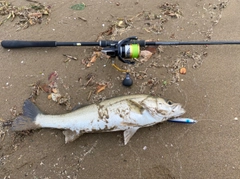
(125,49)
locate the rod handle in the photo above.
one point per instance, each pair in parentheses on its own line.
(21,44)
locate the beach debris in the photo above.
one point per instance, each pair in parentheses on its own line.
(2,131)
(45,88)
(223,5)
(14,112)
(51,88)
(93,59)
(154,22)
(118,27)
(152,49)
(152,82)
(171,10)
(78,7)
(140,74)
(52,80)
(107,32)
(121,24)
(35,89)
(164,83)
(55,96)
(183,70)
(151,16)
(27,15)
(100,88)
(82,18)
(214,11)
(90,79)
(174,69)
(69,58)
(54,91)
(145,55)
(89,95)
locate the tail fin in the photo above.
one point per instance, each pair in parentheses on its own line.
(27,120)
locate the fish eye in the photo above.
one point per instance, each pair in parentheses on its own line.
(169,102)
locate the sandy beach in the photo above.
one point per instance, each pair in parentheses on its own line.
(209,91)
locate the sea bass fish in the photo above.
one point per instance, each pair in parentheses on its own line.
(125,113)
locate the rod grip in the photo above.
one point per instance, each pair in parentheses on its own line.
(22,44)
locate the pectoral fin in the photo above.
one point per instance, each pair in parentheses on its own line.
(71,135)
(135,106)
(129,133)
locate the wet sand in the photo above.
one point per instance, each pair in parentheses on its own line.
(209,92)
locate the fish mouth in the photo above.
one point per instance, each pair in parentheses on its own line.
(178,110)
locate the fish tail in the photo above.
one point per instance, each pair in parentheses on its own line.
(27,120)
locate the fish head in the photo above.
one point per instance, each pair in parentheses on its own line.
(161,109)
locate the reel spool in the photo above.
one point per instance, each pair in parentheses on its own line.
(125,48)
